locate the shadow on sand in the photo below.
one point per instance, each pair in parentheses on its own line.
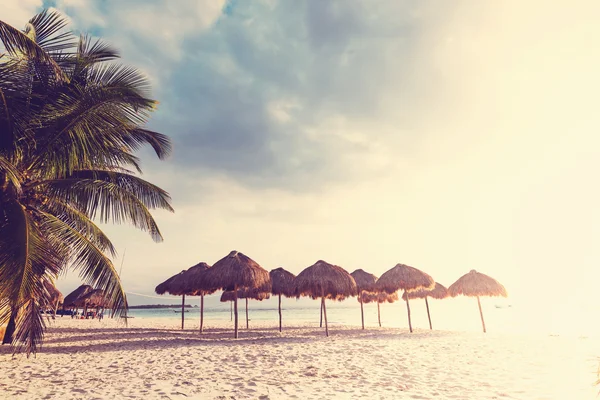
(74,340)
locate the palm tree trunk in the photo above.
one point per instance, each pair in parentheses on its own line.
(201,311)
(182,310)
(280,312)
(408,310)
(428,316)
(325,314)
(10,329)
(481,314)
(378,314)
(362,312)
(235,334)
(247,313)
(54,311)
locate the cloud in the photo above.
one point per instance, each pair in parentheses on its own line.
(18,12)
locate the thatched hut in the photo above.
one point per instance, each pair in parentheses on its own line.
(475,284)
(55,297)
(170,287)
(324,280)
(253,294)
(365,282)
(71,298)
(189,283)
(438,292)
(282,284)
(236,271)
(379,298)
(404,277)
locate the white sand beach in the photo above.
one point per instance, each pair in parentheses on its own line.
(152,359)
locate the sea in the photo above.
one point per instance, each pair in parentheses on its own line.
(453,314)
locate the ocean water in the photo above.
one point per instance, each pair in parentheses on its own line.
(458,314)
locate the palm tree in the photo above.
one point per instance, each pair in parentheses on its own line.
(71,118)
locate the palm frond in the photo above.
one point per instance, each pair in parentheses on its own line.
(9,172)
(159,142)
(18,43)
(80,222)
(46,28)
(94,266)
(112,197)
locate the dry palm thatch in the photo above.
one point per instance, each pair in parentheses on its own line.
(55,297)
(438,292)
(365,282)
(236,271)
(475,284)
(403,277)
(324,280)
(190,284)
(282,283)
(381,297)
(170,286)
(72,297)
(253,294)
(95,298)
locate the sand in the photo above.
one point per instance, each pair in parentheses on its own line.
(152,359)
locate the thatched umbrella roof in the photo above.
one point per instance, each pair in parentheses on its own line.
(236,269)
(95,298)
(82,290)
(252,294)
(476,284)
(55,295)
(404,277)
(364,280)
(381,297)
(282,282)
(167,286)
(191,279)
(325,280)
(438,292)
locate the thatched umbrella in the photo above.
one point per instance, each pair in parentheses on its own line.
(365,282)
(438,292)
(475,284)
(233,272)
(380,297)
(253,294)
(94,299)
(323,280)
(282,283)
(403,277)
(168,287)
(71,298)
(55,297)
(190,285)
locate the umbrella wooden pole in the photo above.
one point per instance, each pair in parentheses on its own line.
(279,312)
(362,312)
(235,335)
(481,314)
(182,309)
(201,311)
(408,310)
(428,316)
(321,323)
(325,314)
(378,314)
(231,311)
(247,327)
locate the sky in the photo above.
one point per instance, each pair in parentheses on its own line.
(448,136)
